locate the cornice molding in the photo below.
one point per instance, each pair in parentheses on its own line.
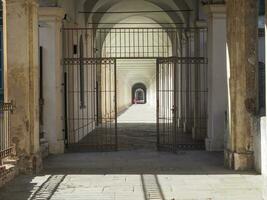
(215,9)
(51,12)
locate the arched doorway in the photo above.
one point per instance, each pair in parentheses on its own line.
(139,96)
(139,93)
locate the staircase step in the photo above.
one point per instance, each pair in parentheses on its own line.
(9,161)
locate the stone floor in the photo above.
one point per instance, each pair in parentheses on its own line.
(134,136)
(138,113)
(137,175)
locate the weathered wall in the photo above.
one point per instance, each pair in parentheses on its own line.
(21,78)
(50,39)
(242,55)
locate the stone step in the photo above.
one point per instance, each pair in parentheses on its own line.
(10,161)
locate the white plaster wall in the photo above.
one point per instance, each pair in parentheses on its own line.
(260,148)
(262,140)
(217,79)
(50,20)
(124,94)
(262,49)
(152,95)
(260,136)
(52,88)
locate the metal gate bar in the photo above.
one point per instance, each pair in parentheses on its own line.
(179,125)
(126,43)
(89,58)
(91,121)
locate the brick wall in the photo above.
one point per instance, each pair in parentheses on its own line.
(7,173)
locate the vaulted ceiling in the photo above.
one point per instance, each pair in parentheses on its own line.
(128,5)
(137,5)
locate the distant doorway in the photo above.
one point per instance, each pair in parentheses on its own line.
(136,92)
(139,93)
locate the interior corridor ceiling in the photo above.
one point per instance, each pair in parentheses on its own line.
(144,70)
(92,6)
(135,5)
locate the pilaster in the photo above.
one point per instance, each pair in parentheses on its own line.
(50,20)
(242,64)
(217,77)
(263,137)
(21,76)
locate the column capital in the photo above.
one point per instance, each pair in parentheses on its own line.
(35,2)
(51,13)
(212,9)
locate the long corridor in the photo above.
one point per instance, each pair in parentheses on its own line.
(137,128)
(139,113)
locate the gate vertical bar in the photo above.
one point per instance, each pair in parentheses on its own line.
(157,96)
(174,74)
(172,87)
(115,96)
(65,85)
(66,110)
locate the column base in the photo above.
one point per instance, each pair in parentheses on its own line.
(57,148)
(212,144)
(239,161)
(30,164)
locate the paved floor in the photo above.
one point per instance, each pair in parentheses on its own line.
(140,173)
(133,136)
(138,113)
(137,175)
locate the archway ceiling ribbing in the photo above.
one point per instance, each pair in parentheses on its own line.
(132,5)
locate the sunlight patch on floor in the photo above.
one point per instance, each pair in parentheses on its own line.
(139,113)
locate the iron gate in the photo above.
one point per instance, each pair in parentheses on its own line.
(90,104)
(181,103)
(89,58)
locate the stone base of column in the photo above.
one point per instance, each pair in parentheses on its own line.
(212,144)
(57,148)
(239,161)
(30,164)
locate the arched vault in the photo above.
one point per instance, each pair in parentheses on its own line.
(132,5)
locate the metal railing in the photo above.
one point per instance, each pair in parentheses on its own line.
(6,146)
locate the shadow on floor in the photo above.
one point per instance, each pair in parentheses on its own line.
(139,162)
(131,175)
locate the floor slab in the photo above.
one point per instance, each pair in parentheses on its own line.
(137,175)
(138,113)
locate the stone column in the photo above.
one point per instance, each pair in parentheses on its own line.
(50,21)
(20,21)
(217,76)
(242,64)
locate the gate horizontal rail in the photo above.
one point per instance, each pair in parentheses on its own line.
(89,60)
(133,42)
(178,60)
